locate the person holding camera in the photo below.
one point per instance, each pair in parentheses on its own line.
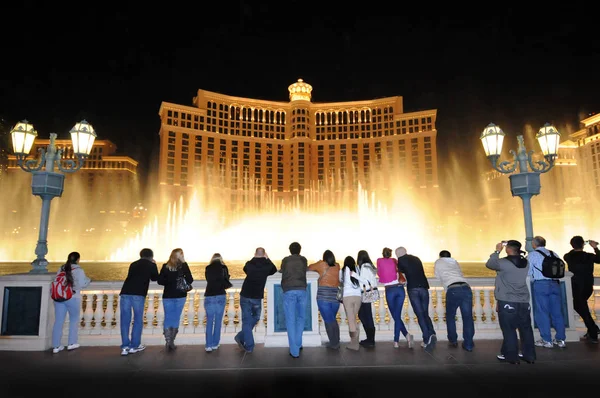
(512,298)
(581,264)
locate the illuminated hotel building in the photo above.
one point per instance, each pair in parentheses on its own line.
(106,181)
(294,149)
(587,141)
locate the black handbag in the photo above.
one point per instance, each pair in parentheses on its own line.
(181,284)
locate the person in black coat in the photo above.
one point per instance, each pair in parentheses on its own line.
(215,297)
(177,279)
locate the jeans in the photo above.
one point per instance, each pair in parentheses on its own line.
(582,290)
(548,309)
(328,310)
(173,308)
(129,303)
(513,316)
(419,300)
(251,309)
(395,295)
(294,308)
(460,296)
(214,307)
(73,307)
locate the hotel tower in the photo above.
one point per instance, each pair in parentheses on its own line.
(294,153)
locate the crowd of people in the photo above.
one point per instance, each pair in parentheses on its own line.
(353,284)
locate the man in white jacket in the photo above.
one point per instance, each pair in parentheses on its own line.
(458,295)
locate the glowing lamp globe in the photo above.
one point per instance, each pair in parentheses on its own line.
(549,138)
(492,138)
(23,135)
(82,138)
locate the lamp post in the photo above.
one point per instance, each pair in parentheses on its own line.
(524,183)
(48,184)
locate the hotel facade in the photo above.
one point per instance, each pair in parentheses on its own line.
(295,153)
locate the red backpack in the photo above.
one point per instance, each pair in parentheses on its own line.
(60,290)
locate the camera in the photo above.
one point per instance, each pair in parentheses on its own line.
(504,242)
(587,242)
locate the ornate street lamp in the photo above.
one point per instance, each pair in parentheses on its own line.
(524,183)
(48,184)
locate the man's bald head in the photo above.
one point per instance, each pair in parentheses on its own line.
(260,252)
(401,251)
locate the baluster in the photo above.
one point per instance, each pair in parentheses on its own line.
(98,313)
(487,307)
(230,326)
(382,312)
(201,315)
(412,322)
(89,311)
(439,309)
(191,312)
(262,323)
(150,311)
(478,308)
(160,313)
(343,320)
(110,311)
(596,304)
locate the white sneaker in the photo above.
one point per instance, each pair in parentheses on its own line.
(423,344)
(58,349)
(208,349)
(139,348)
(545,344)
(396,344)
(410,339)
(71,347)
(215,348)
(124,351)
(559,343)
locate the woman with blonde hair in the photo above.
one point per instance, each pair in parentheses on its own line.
(176,277)
(217,280)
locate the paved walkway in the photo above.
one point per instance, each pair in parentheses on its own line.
(271,372)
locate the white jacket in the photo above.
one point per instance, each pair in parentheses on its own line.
(448,271)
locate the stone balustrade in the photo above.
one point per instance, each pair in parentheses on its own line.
(27,314)
(100,314)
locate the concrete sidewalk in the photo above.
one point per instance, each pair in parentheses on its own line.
(230,372)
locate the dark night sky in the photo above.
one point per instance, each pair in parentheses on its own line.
(113,65)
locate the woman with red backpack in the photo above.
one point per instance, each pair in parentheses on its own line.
(75,280)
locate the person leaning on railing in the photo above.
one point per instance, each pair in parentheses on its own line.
(328,271)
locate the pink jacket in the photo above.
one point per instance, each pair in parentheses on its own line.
(387,269)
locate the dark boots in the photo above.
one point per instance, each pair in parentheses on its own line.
(170,334)
(333,333)
(370,340)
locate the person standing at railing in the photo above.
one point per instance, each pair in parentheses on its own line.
(458,295)
(547,297)
(251,296)
(75,277)
(512,298)
(417,286)
(366,273)
(133,298)
(293,283)
(217,280)
(176,277)
(581,264)
(351,300)
(328,271)
(394,281)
